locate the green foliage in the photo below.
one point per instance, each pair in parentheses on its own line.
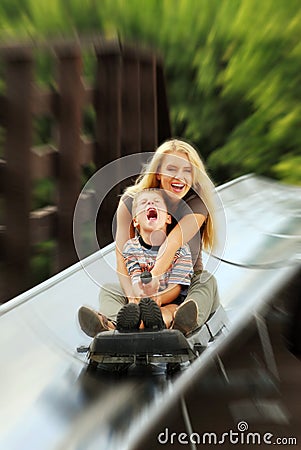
(233,76)
(232,69)
(289,169)
(43,193)
(41,261)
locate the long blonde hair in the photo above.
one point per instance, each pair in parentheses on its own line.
(201,182)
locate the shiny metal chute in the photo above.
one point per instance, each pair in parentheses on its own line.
(50,400)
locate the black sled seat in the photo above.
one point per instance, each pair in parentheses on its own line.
(145,347)
(165,346)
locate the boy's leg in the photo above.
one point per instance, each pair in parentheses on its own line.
(203,290)
(151,314)
(111,300)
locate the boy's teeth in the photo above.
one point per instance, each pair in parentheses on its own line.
(152,214)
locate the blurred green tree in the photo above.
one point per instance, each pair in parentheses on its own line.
(232,69)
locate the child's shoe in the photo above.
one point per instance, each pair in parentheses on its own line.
(151,314)
(128,317)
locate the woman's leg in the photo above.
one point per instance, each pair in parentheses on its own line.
(111,300)
(186,316)
(203,290)
(168,313)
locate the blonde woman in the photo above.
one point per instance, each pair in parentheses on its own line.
(177,169)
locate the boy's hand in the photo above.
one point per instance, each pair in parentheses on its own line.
(150,288)
(134,300)
(146,277)
(148,284)
(141,289)
(138,292)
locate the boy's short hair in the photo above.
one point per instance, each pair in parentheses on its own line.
(137,195)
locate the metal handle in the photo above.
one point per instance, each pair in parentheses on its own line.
(146,277)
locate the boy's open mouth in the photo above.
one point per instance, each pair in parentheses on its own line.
(151,214)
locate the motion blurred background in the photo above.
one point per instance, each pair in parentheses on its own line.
(233,82)
(232,71)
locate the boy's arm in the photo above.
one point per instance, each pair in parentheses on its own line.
(133,268)
(124,278)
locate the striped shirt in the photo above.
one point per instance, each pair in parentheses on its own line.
(140,257)
(190,204)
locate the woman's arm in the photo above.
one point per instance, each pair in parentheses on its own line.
(124,231)
(187,227)
(168,295)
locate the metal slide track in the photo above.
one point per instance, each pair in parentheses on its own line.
(48,398)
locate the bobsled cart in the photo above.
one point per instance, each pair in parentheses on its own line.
(117,351)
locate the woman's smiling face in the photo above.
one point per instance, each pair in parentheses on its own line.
(175,174)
